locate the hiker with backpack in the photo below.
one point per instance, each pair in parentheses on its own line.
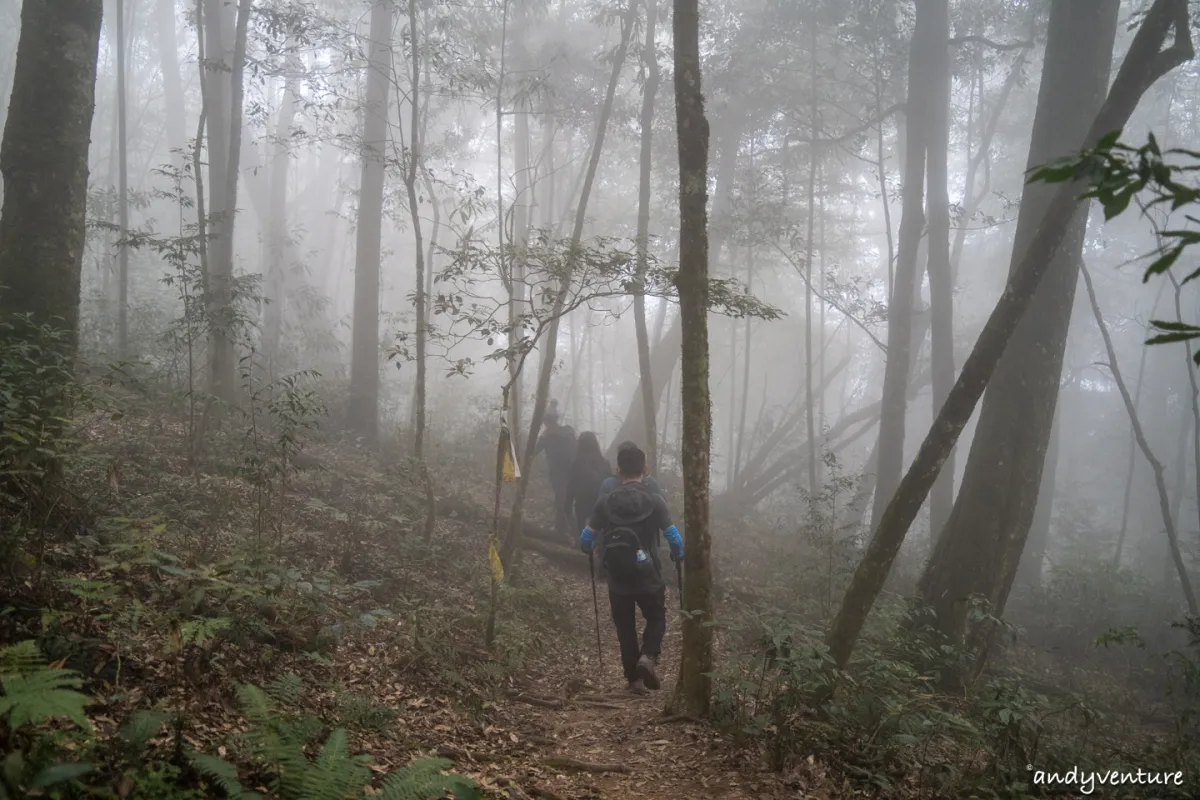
(588,473)
(558,442)
(625,523)
(648,483)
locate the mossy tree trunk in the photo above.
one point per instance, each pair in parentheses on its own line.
(693,692)
(44,161)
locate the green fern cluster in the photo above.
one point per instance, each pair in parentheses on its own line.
(277,745)
(35,693)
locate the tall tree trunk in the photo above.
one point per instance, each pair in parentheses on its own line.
(172,85)
(747,352)
(517,305)
(122,183)
(1144,64)
(665,354)
(941,278)
(813,166)
(277,217)
(1029,573)
(921,83)
(1130,463)
(982,542)
(646,377)
(414,167)
(219,43)
(363,413)
(693,692)
(512,539)
(1164,503)
(44,162)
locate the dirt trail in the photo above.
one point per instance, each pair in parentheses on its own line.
(603,742)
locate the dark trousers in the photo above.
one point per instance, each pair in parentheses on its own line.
(654,611)
(558,483)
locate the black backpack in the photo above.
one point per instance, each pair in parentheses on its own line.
(620,547)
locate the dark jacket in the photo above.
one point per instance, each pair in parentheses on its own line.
(583,486)
(559,445)
(632,506)
(648,482)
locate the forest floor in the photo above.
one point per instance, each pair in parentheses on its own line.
(163,604)
(172,589)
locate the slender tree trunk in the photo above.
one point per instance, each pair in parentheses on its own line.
(1029,573)
(520,237)
(646,160)
(44,163)
(122,184)
(512,540)
(414,210)
(1164,502)
(1130,463)
(277,217)
(813,166)
(1194,397)
(173,96)
(881,165)
(921,82)
(666,352)
(693,692)
(219,43)
(363,413)
(941,277)
(1145,63)
(747,352)
(980,547)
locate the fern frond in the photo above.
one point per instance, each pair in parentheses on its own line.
(256,706)
(141,728)
(334,775)
(45,694)
(424,779)
(21,658)
(285,689)
(222,773)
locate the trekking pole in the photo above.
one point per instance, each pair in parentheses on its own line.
(596,608)
(679,579)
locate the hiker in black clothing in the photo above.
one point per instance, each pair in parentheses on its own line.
(626,522)
(558,442)
(588,474)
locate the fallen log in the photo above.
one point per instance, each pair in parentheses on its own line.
(575,765)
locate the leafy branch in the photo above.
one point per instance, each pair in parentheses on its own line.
(1116,174)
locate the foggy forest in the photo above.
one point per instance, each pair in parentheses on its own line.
(571,399)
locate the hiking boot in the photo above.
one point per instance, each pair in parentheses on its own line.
(645,671)
(637,687)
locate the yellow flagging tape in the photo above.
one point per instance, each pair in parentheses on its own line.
(494,560)
(510,471)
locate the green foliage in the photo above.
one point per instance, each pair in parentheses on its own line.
(34,694)
(425,779)
(1116,174)
(38,397)
(143,726)
(276,741)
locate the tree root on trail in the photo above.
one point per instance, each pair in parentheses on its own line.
(575,765)
(597,704)
(678,718)
(534,700)
(451,753)
(516,793)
